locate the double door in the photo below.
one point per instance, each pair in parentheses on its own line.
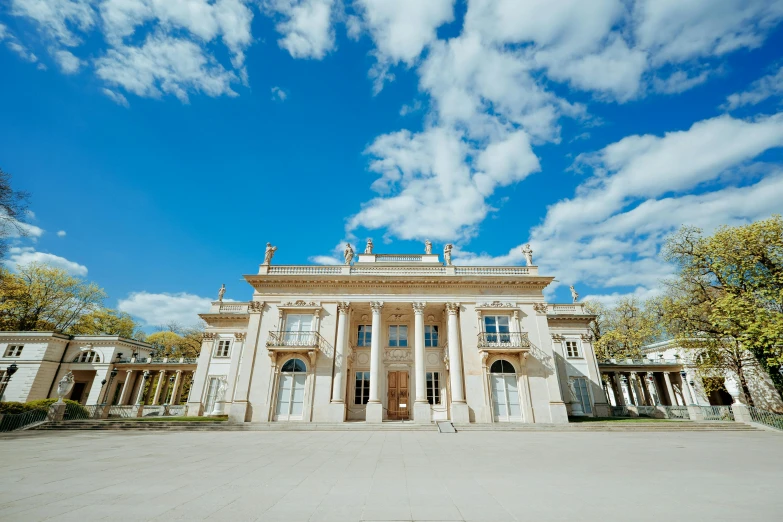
(505,397)
(398,402)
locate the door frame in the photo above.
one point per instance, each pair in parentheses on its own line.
(407,415)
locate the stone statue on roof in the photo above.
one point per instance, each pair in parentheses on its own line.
(528,253)
(368,248)
(222,292)
(447,253)
(428,247)
(574,293)
(348,253)
(268,253)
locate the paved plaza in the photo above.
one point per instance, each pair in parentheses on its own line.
(346,476)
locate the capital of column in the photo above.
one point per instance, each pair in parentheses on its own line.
(376,306)
(129,372)
(452,308)
(179,372)
(418,308)
(255,307)
(161,371)
(343,307)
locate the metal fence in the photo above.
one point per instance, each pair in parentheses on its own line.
(123,411)
(15,422)
(676,412)
(79,412)
(620,411)
(646,411)
(773,420)
(717,413)
(176,410)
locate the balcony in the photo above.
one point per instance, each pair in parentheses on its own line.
(293,340)
(503,342)
(641,362)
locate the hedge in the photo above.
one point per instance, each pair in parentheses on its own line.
(15,408)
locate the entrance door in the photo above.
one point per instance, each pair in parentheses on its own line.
(505,395)
(398,397)
(290,392)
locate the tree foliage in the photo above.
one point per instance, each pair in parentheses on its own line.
(39,297)
(13,205)
(622,329)
(175,340)
(727,302)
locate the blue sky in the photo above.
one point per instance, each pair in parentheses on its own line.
(165,142)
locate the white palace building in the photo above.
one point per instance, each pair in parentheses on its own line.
(397,337)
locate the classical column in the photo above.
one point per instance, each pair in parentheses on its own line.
(337,407)
(161,378)
(126,388)
(140,395)
(421,408)
(686,389)
(619,397)
(629,388)
(643,377)
(655,397)
(195,407)
(374,411)
(240,407)
(175,387)
(633,387)
(670,389)
(459,408)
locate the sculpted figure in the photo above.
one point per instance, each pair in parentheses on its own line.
(574,293)
(447,253)
(428,247)
(64,386)
(528,253)
(268,253)
(368,248)
(348,253)
(222,292)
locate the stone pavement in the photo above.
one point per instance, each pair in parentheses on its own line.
(347,476)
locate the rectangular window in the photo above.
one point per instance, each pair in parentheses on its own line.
(580,387)
(223,348)
(298,329)
(572,349)
(433,388)
(211,395)
(362,389)
(398,335)
(364,337)
(497,328)
(430,336)
(14,350)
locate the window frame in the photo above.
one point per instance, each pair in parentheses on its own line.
(364,335)
(499,336)
(360,398)
(434,334)
(224,353)
(432,383)
(9,351)
(396,338)
(584,394)
(577,349)
(88,356)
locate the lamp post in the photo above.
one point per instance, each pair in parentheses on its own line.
(9,372)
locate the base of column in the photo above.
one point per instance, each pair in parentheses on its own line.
(195,409)
(237,412)
(336,412)
(460,414)
(741,413)
(601,409)
(422,413)
(558,412)
(56,412)
(374,412)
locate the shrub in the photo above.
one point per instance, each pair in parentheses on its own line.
(43,404)
(12,408)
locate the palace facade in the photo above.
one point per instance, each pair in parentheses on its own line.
(397,337)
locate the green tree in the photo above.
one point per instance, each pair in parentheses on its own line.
(174,340)
(13,205)
(621,330)
(110,322)
(726,303)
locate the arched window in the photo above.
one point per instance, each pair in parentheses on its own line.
(294,365)
(501,366)
(89,356)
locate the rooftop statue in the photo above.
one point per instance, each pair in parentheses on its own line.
(368,248)
(428,247)
(348,253)
(574,293)
(528,253)
(447,253)
(222,292)
(268,253)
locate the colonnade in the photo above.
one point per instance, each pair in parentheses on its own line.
(157,393)
(421,407)
(644,388)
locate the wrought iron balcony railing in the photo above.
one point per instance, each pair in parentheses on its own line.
(503,340)
(641,362)
(294,339)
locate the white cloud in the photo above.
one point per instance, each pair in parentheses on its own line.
(69,64)
(679,81)
(763,88)
(409,109)
(305,26)
(325,260)
(22,51)
(13,228)
(163,308)
(18,256)
(116,97)
(60,19)
(278,94)
(165,65)
(61,233)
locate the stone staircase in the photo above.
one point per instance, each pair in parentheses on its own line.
(120,425)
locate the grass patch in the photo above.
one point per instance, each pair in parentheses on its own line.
(175,419)
(616,419)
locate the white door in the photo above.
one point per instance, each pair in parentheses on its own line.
(290,396)
(505,398)
(297,328)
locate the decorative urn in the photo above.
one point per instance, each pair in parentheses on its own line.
(64,387)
